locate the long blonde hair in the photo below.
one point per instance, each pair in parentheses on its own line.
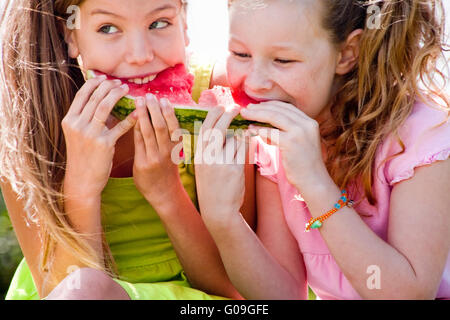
(37,86)
(396,60)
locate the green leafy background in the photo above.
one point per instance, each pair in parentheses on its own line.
(10,253)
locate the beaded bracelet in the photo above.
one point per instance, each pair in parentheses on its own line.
(316,223)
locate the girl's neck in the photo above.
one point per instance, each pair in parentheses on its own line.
(124,156)
(123,169)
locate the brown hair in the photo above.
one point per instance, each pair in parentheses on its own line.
(403,53)
(37,86)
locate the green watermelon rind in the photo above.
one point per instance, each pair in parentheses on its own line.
(123,107)
(186,115)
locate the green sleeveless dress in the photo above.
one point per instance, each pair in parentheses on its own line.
(148,268)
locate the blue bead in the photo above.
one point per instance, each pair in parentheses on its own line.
(337,206)
(344,191)
(344,198)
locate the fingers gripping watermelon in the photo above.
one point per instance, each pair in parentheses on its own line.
(176,84)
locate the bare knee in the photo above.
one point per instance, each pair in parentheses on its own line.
(88,284)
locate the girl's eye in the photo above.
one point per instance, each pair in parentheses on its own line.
(108,29)
(241,55)
(282,61)
(159,24)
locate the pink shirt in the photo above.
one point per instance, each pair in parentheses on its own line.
(423,146)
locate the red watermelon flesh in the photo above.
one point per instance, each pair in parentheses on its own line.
(224,96)
(173,83)
(242,99)
(216,96)
(176,85)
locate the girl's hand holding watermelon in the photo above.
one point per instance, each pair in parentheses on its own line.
(155,174)
(298,139)
(90,143)
(219,169)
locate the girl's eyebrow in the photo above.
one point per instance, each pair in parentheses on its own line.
(162,8)
(282,46)
(233,38)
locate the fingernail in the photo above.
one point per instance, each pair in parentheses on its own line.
(117,81)
(165,102)
(253,132)
(124,86)
(102,77)
(140,102)
(150,96)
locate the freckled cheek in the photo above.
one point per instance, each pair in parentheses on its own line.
(319,82)
(300,91)
(305,90)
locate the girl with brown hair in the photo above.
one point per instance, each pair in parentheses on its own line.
(100,210)
(352,195)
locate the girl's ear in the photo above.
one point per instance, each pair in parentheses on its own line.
(349,53)
(72,44)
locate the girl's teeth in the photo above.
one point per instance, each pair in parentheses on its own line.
(142,81)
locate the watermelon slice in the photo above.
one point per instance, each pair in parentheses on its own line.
(176,84)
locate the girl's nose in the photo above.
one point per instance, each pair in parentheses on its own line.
(139,50)
(258,79)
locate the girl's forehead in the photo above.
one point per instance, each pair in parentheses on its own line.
(283,18)
(121,5)
(250,4)
(262,4)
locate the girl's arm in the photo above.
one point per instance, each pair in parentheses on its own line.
(412,260)
(90,150)
(193,243)
(156,176)
(266,265)
(29,236)
(255,271)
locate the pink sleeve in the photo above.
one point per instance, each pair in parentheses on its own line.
(426,138)
(266,157)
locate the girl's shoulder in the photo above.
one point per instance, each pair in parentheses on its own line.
(422,139)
